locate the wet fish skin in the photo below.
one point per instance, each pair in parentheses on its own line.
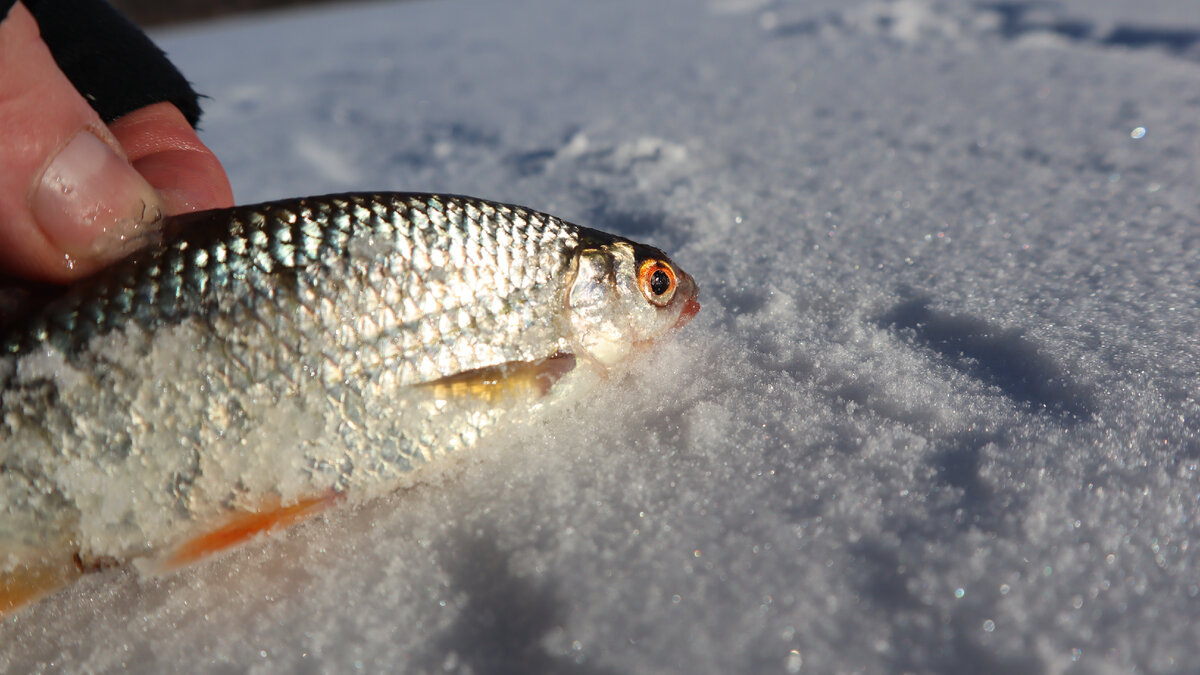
(293,348)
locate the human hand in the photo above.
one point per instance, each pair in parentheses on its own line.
(75,194)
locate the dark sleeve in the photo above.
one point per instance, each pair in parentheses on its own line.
(108,59)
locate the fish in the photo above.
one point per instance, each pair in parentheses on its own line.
(254,365)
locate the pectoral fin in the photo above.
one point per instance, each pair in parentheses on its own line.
(514,379)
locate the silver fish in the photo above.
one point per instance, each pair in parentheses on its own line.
(260,362)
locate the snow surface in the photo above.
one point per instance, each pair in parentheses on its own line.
(939,412)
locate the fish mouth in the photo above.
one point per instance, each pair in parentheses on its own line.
(691,306)
(689,310)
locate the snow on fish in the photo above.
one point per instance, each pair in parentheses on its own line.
(262,362)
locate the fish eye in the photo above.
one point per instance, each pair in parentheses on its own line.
(657,281)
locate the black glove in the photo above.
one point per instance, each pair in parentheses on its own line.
(109,59)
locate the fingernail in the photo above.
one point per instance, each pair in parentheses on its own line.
(92,204)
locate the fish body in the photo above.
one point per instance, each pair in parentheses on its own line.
(267,357)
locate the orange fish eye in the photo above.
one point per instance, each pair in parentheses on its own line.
(657,281)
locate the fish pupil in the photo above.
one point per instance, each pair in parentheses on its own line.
(659,282)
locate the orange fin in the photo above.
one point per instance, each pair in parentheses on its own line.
(33,580)
(241,527)
(513,379)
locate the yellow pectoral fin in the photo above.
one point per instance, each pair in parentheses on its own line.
(241,527)
(506,381)
(34,579)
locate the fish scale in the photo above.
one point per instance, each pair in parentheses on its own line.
(291,349)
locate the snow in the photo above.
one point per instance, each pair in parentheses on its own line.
(938,412)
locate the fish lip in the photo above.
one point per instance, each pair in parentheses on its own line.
(691,306)
(689,311)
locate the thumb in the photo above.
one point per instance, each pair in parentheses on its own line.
(69,199)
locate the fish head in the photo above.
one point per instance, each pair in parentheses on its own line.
(624,294)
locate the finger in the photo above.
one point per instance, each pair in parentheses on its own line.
(165,149)
(69,200)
